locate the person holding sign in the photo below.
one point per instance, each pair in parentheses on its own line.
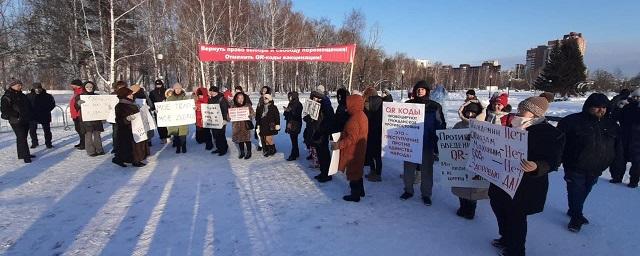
(92,129)
(353,141)
(433,120)
(241,130)
(157,95)
(469,197)
(321,130)
(219,136)
(203,135)
(293,116)
(373,110)
(78,89)
(545,147)
(179,133)
(268,122)
(128,150)
(140,94)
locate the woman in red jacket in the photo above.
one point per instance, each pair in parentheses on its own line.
(352,145)
(203,135)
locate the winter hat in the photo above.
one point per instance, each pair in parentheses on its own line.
(176,86)
(37,86)
(320,88)
(316,94)
(549,96)
(135,88)
(471,92)
(14,82)
(76,82)
(214,89)
(123,92)
(538,106)
(596,100)
(422,84)
(502,99)
(268,97)
(635,93)
(473,107)
(89,82)
(159,82)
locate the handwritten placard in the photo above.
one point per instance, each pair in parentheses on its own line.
(212,116)
(239,114)
(312,108)
(175,113)
(335,156)
(496,154)
(402,131)
(454,152)
(98,107)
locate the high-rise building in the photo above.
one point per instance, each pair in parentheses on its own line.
(537,57)
(466,76)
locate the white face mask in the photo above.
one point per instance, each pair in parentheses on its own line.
(521,122)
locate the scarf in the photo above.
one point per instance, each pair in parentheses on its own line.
(265,109)
(523,123)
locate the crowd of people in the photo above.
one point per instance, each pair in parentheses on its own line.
(604,135)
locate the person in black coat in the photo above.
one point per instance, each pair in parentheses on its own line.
(386,95)
(15,108)
(92,129)
(545,147)
(219,136)
(321,129)
(630,124)
(293,116)
(42,104)
(264,90)
(268,121)
(373,156)
(341,115)
(128,150)
(592,145)
(157,95)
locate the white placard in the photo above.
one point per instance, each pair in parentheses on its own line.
(402,131)
(138,128)
(335,156)
(454,151)
(211,116)
(239,114)
(149,122)
(312,108)
(176,113)
(496,153)
(98,107)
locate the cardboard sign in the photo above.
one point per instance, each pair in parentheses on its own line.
(311,108)
(402,131)
(98,107)
(335,156)
(138,129)
(496,153)
(239,114)
(454,152)
(212,116)
(176,113)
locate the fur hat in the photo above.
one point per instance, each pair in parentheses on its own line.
(473,107)
(123,92)
(538,106)
(320,88)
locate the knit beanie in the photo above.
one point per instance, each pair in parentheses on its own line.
(503,99)
(14,82)
(471,92)
(536,105)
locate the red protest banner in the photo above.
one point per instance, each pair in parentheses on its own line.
(221,53)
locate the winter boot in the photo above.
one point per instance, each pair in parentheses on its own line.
(406,196)
(248,148)
(241,147)
(355,192)
(575,224)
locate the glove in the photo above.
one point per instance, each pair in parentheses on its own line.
(277,127)
(131,118)
(80,102)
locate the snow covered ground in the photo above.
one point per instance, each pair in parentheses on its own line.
(66,203)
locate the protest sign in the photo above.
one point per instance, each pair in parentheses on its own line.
(98,107)
(138,128)
(239,114)
(312,108)
(453,152)
(149,122)
(496,154)
(212,116)
(175,113)
(402,131)
(335,156)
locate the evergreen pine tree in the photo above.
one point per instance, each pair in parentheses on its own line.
(564,71)
(549,75)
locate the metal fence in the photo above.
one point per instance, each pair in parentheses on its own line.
(60,117)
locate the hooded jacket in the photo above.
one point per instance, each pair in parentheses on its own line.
(199,101)
(353,140)
(592,143)
(433,118)
(630,123)
(42,104)
(293,114)
(341,115)
(75,113)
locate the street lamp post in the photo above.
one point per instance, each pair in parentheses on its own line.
(160,57)
(490,85)
(402,85)
(455,84)
(509,87)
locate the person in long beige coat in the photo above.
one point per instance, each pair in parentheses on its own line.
(241,130)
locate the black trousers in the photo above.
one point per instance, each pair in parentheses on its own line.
(324,157)
(220,139)
(468,207)
(80,130)
(295,150)
(21,131)
(512,226)
(376,164)
(46,128)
